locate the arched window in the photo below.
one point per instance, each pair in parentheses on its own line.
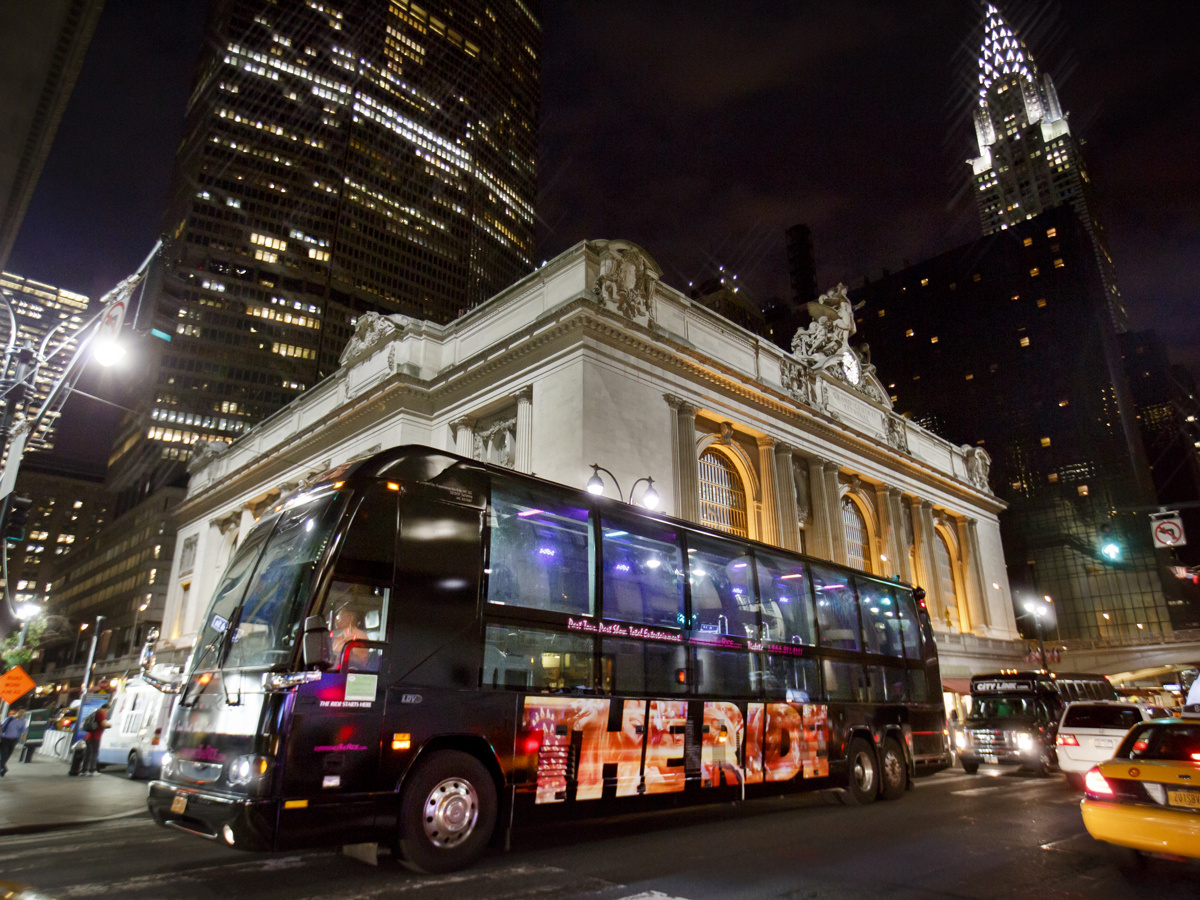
(945,571)
(722,497)
(858,541)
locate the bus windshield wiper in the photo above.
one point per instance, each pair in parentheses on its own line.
(235,622)
(209,647)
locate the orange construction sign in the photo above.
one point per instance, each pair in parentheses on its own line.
(15,684)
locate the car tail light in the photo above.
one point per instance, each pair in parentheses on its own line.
(1140,746)
(157,735)
(1066,740)
(1095,784)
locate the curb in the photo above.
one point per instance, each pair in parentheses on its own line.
(39,827)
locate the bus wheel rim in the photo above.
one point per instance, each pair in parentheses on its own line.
(892,768)
(864,771)
(451,811)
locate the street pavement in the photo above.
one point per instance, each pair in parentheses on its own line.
(953,836)
(41,796)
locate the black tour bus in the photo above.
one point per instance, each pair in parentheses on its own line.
(424,650)
(1014,717)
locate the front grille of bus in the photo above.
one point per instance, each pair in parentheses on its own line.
(990,738)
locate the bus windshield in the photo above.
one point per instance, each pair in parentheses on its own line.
(1002,707)
(266,585)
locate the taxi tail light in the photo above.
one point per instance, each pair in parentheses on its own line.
(1095,784)
(1066,740)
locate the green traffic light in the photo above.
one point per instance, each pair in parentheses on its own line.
(1111,551)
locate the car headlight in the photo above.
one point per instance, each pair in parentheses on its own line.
(1024,740)
(960,739)
(246,769)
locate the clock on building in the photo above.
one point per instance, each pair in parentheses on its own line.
(850,366)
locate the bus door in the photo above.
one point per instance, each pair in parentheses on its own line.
(333,745)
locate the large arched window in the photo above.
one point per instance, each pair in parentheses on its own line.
(945,571)
(858,540)
(722,496)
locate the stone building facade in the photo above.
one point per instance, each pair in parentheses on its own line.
(592,359)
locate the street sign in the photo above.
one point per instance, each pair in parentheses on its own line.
(112,320)
(15,684)
(1167,530)
(15,450)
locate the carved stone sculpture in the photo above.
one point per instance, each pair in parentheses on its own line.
(979,466)
(371,332)
(823,343)
(897,433)
(626,280)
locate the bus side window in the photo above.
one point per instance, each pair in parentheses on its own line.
(355,604)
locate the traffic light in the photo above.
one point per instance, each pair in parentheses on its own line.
(18,515)
(1111,549)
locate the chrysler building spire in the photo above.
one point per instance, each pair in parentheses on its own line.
(1029,161)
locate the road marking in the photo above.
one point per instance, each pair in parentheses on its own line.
(650,895)
(974,792)
(1063,845)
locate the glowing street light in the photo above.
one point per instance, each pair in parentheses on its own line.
(595,485)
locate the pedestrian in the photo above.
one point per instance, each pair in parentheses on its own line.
(92,737)
(12,732)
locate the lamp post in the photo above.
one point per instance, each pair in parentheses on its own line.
(595,485)
(78,634)
(133,631)
(1038,612)
(87,669)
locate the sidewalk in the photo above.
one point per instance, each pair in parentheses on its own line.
(40,796)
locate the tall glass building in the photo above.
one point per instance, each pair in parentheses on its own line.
(338,157)
(1029,161)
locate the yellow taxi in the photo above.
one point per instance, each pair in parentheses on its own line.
(1147,797)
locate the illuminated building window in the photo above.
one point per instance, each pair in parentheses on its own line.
(722,497)
(933,340)
(1024,342)
(976,277)
(318,255)
(1034,272)
(1082,490)
(1063,402)
(264,240)
(1058,264)
(1041,303)
(1028,242)
(266,255)
(1052,477)
(1045,442)
(970,377)
(858,542)
(908,333)
(945,568)
(1051,232)
(924,282)
(882,313)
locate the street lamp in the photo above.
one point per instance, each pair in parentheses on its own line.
(78,635)
(133,631)
(595,485)
(26,612)
(1038,612)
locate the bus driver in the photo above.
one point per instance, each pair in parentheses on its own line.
(345,630)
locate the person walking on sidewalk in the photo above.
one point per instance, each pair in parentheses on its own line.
(12,730)
(92,738)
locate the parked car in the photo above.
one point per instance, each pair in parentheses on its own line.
(138,717)
(1147,797)
(1090,731)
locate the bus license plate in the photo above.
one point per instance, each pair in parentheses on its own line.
(1188,799)
(989,758)
(179,804)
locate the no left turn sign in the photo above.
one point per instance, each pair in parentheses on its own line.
(1168,531)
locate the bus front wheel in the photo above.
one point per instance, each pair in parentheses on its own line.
(864,773)
(447,813)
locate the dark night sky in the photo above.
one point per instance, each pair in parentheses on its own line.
(703,130)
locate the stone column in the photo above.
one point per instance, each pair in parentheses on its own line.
(887,532)
(463,430)
(977,589)
(687,463)
(524,460)
(768,490)
(824,524)
(899,535)
(923,538)
(785,498)
(837,528)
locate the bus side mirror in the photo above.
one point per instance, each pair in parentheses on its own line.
(318,650)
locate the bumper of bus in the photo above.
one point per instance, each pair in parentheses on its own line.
(241,822)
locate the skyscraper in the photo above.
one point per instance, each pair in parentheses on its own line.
(337,158)
(1029,161)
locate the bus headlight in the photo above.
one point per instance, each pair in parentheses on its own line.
(247,769)
(1024,741)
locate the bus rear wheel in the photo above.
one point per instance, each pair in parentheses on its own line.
(864,773)
(894,770)
(447,813)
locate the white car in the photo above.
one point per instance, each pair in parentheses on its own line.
(1091,730)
